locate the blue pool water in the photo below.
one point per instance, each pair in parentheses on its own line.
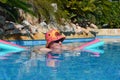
(83,65)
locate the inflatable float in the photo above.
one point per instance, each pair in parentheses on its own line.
(93,46)
(94,50)
(8,47)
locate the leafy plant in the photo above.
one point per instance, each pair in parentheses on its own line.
(10,8)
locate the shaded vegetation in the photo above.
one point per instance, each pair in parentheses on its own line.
(100,12)
(9,9)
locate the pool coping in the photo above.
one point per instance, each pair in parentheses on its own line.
(69,40)
(108,36)
(43,42)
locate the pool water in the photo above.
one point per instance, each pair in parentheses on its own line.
(82,65)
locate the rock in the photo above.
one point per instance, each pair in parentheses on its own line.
(1,31)
(26,23)
(61,28)
(68,28)
(77,29)
(44,24)
(38,36)
(9,32)
(24,31)
(93,26)
(19,26)
(2,20)
(33,29)
(9,25)
(51,26)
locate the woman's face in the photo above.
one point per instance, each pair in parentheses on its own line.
(56,46)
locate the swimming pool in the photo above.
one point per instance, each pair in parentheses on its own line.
(82,65)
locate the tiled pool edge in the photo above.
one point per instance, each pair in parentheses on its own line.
(43,42)
(108,37)
(111,32)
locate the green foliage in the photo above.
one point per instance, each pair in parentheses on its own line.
(115,15)
(43,8)
(3,1)
(97,11)
(10,8)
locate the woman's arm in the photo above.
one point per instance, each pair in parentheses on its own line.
(41,50)
(70,48)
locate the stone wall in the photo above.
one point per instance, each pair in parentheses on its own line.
(41,36)
(111,32)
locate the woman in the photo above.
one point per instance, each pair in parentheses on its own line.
(54,48)
(54,43)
